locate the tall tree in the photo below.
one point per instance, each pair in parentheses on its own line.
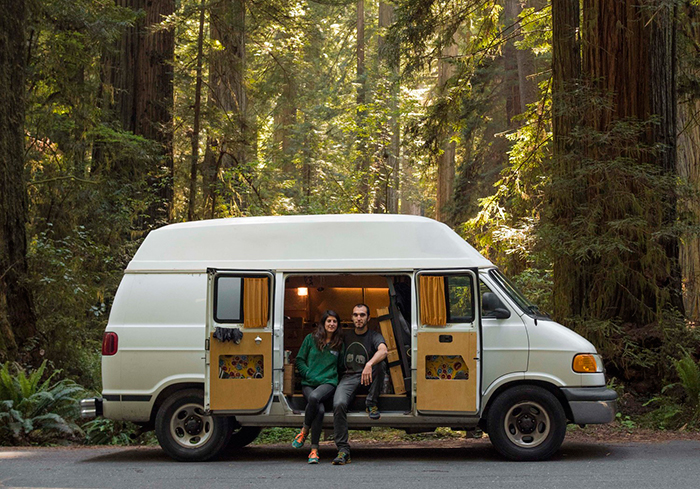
(141,78)
(387,196)
(362,165)
(566,194)
(613,184)
(17,318)
(688,162)
(446,159)
(192,200)
(228,142)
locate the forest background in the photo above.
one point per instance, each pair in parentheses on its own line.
(561,139)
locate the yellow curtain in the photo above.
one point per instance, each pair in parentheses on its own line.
(256,302)
(433,310)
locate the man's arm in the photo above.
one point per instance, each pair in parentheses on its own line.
(378,357)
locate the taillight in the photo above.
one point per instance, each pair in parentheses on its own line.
(110,344)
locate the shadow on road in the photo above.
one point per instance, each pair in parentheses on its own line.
(480,451)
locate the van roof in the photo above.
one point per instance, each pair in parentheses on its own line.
(352,242)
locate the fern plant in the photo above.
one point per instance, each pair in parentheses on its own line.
(36,411)
(689,375)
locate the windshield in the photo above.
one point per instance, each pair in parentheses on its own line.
(518,297)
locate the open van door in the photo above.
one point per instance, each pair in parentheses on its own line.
(448,369)
(238,367)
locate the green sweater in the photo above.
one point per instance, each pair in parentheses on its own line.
(318,366)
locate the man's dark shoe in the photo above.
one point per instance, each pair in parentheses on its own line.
(342,459)
(373,412)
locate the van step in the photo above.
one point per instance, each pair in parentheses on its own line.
(387,402)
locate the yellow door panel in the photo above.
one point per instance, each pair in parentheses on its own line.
(241,374)
(446,373)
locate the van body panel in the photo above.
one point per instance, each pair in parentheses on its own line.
(552,351)
(497,384)
(321,243)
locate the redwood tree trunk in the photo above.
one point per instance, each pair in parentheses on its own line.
(387,197)
(194,161)
(688,163)
(566,196)
(446,160)
(229,141)
(17,318)
(362,164)
(142,82)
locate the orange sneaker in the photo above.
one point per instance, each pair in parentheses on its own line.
(313,456)
(299,439)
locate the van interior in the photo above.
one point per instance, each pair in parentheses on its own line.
(306,299)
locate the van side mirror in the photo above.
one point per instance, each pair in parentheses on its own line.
(492,307)
(500,313)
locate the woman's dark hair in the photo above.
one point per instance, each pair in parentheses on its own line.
(320,333)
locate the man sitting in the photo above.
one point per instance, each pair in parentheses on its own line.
(364,352)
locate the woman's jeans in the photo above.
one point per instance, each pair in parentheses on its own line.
(315,409)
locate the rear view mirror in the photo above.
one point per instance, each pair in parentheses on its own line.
(493,307)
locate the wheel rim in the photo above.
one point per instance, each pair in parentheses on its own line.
(190,427)
(527,424)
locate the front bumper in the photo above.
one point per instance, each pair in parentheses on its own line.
(591,405)
(91,408)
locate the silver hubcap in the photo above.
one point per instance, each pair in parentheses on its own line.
(190,427)
(527,424)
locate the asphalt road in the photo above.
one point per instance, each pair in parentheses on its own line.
(472,464)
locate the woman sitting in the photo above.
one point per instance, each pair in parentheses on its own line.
(317,362)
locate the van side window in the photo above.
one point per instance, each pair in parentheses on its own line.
(446,299)
(228,305)
(460,299)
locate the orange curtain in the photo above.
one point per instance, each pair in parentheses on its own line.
(433,310)
(256,302)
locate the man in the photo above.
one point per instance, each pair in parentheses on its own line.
(364,352)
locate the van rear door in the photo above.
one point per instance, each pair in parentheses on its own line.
(238,367)
(448,370)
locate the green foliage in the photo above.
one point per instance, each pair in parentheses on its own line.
(276,435)
(102,431)
(625,422)
(689,374)
(36,411)
(678,408)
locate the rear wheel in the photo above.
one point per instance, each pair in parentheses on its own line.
(185,432)
(526,423)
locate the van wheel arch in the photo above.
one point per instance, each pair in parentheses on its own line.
(166,393)
(553,389)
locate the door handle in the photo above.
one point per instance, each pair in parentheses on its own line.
(445,338)
(258,340)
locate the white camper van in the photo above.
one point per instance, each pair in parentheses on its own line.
(208,318)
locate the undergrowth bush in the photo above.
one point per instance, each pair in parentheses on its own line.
(33,411)
(678,405)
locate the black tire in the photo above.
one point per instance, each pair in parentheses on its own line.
(242,436)
(185,432)
(526,423)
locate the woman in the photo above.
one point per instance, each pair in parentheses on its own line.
(317,362)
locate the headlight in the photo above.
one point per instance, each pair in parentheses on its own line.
(587,363)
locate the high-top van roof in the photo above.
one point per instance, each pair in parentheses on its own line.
(353,242)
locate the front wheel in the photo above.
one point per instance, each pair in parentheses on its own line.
(185,432)
(526,423)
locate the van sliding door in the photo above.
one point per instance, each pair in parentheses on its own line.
(448,342)
(238,368)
